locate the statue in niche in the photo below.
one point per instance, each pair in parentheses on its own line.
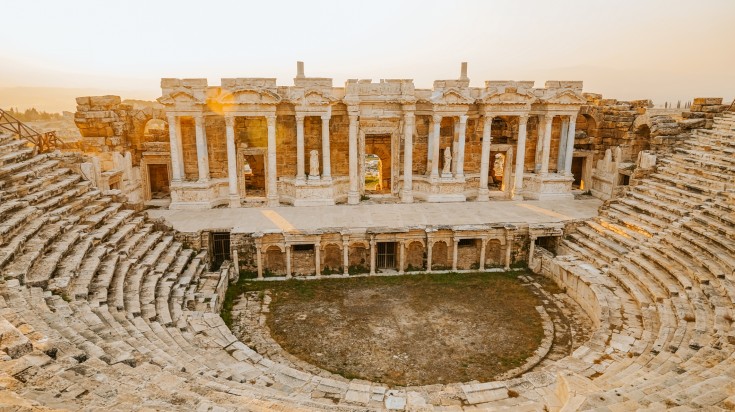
(314,164)
(446,170)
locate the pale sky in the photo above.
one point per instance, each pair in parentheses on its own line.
(624,49)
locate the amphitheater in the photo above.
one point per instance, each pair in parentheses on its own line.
(110,296)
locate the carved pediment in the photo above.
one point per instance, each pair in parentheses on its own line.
(312,97)
(510,95)
(249,95)
(566,97)
(181,95)
(452,96)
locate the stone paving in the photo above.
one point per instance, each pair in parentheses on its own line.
(248,220)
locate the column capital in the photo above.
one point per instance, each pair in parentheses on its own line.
(437,118)
(326,116)
(463,118)
(573,117)
(523,117)
(300,117)
(271,119)
(171,117)
(409,115)
(198,116)
(229,120)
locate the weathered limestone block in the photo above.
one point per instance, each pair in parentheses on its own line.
(12,342)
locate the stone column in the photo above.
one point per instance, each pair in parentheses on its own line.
(482,253)
(372,256)
(520,156)
(176,166)
(507,167)
(540,127)
(353,196)
(345,257)
(460,147)
(235,262)
(435,139)
(408,128)
(318,258)
(483,192)
(326,158)
(570,145)
(288,260)
(454,254)
(401,258)
(531,249)
(547,146)
(202,152)
(272,170)
(429,247)
(259,259)
(231,161)
(430,145)
(563,139)
(508,247)
(300,175)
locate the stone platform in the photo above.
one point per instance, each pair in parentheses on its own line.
(250,220)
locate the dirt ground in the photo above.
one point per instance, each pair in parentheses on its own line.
(408,330)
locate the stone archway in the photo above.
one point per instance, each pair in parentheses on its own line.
(415,256)
(275,261)
(440,256)
(332,259)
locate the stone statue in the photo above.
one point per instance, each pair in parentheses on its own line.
(447,161)
(314,164)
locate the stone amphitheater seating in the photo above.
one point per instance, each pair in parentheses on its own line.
(101,308)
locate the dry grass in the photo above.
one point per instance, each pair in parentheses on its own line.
(407,330)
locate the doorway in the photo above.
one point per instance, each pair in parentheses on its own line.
(577,171)
(219,249)
(253,173)
(158,181)
(377,164)
(386,256)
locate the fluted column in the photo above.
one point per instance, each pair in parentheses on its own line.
(483,192)
(176,165)
(272,170)
(300,175)
(460,146)
(408,128)
(546,150)
(570,145)
(540,125)
(231,161)
(520,156)
(202,151)
(353,196)
(326,158)
(563,139)
(435,138)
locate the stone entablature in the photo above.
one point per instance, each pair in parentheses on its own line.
(351,118)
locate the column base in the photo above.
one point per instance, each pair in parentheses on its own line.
(407,196)
(353,198)
(273,201)
(234,201)
(483,195)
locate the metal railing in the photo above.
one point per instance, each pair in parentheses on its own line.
(44,142)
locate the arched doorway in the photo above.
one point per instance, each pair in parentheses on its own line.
(377,164)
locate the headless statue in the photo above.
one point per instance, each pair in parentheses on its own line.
(447,161)
(314,164)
